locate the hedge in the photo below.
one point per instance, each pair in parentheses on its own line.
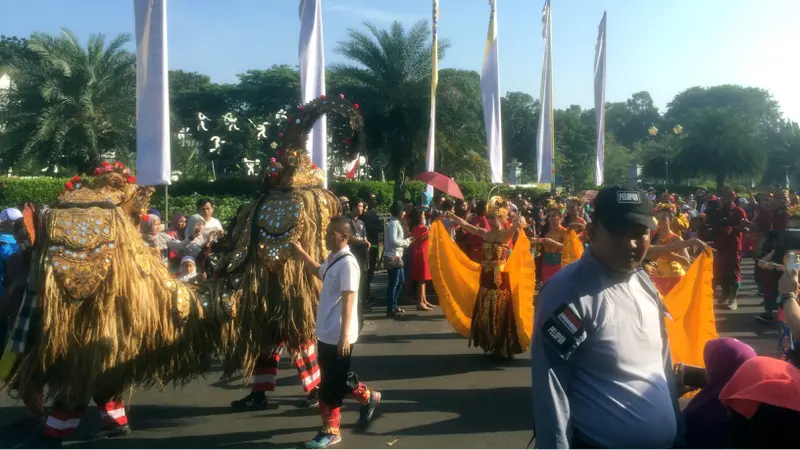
(229,193)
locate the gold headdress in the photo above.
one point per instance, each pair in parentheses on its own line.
(554,206)
(794,211)
(293,167)
(665,206)
(498,207)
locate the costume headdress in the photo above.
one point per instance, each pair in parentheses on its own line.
(554,206)
(666,206)
(293,168)
(497,206)
(794,211)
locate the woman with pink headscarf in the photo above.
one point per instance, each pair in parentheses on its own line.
(706,417)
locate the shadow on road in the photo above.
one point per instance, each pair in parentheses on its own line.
(407,367)
(406,338)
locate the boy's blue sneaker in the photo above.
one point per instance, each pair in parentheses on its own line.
(323,440)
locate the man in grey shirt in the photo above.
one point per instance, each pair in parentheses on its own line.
(601,370)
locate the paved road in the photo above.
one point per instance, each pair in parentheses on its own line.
(438,393)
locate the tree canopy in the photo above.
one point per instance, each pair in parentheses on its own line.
(72,104)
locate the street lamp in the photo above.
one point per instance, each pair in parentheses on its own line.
(653,131)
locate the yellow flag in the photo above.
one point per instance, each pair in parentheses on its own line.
(691,307)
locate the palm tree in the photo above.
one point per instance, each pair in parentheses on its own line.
(70,106)
(393,70)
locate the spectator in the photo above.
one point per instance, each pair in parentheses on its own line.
(374,225)
(344,203)
(205,208)
(154,237)
(359,247)
(763,400)
(421,271)
(449,224)
(602,374)
(188,270)
(476,242)
(706,416)
(394,246)
(195,240)
(8,243)
(177,226)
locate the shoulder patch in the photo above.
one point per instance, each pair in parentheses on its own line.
(564,332)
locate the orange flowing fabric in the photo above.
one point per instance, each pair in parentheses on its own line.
(573,248)
(691,307)
(456,279)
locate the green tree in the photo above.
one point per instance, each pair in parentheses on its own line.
(520,116)
(71,105)
(722,143)
(392,72)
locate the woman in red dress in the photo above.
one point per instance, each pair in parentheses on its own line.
(420,270)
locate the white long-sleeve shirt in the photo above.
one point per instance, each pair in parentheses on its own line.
(394,240)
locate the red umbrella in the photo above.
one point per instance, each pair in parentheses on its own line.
(441,182)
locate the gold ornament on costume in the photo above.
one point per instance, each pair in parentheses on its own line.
(497,206)
(669,207)
(293,167)
(82,228)
(794,210)
(554,206)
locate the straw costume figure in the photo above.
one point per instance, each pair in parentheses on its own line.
(100,313)
(273,296)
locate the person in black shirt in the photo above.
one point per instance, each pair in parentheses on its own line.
(360,247)
(374,225)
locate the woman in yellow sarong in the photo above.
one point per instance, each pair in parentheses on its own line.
(668,269)
(490,302)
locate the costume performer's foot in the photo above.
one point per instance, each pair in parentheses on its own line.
(323,440)
(312,400)
(252,402)
(368,410)
(113,431)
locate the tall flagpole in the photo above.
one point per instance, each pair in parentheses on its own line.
(431,152)
(600,98)
(545,139)
(490,95)
(153,164)
(312,76)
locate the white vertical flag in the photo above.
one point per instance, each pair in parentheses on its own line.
(490,93)
(600,98)
(545,138)
(431,153)
(312,76)
(153,165)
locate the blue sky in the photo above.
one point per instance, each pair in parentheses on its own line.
(658,46)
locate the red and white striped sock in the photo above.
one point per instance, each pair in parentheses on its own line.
(265,373)
(112,414)
(62,424)
(307,366)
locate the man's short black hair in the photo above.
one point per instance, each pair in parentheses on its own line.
(341,224)
(202,202)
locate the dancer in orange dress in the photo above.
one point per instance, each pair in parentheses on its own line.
(553,241)
(668,269)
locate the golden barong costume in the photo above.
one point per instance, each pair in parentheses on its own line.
(101,313)
(490,302)
(270,296)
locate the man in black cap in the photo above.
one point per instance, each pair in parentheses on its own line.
(602,373)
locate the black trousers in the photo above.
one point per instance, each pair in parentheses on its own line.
(336,378)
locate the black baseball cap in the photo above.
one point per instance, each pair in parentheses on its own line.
(618,208)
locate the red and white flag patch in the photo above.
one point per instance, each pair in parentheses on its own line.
(569,318)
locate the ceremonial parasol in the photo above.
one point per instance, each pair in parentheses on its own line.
(441,182)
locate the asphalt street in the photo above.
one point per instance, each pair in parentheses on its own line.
(437,393)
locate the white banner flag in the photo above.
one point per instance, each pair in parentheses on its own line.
(153,165)
(545,138)
(431,152)
(600,98)
(312,76)
(490,93)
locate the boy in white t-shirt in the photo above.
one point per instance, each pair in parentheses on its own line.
(337,332)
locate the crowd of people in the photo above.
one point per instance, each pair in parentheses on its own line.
(598,265)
